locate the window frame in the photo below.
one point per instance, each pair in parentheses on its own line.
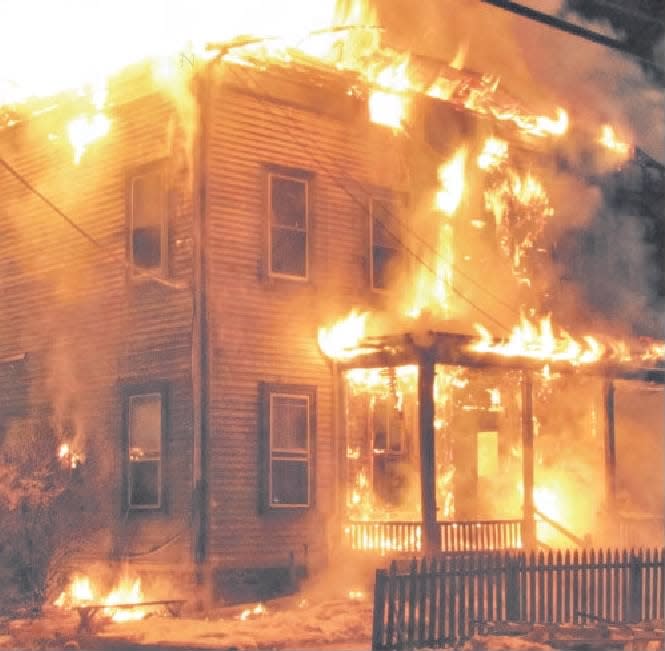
(160,388)
(394,202)
(159,167)
(304,178)
(268,454)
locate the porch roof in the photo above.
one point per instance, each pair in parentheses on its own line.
(455,349)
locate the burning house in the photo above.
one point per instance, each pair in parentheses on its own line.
(288,298)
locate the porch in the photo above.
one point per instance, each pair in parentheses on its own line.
(448,450)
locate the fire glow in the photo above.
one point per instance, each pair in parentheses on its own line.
(539,341)
(81,592)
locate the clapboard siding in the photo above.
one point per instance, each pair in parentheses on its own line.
(86,327)
(265,330)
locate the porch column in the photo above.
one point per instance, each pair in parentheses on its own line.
(431,534)
(528,525)
(610,449)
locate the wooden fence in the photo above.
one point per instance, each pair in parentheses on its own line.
(386,537)
(444,601)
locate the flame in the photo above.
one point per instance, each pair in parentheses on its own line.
(548,502)
(128,592)
(341,340)
(83,131)
(356,595)
(81,592)
(388,102)
(68,457)
(433,291)
(451,179)
(259,609)
(460,56)
(548,126)
(540,342)
(608,139)
(494,154)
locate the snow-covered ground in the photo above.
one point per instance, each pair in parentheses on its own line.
(296,622)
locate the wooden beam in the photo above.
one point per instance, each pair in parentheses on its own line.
(529,525)
(431,533)
(610,448)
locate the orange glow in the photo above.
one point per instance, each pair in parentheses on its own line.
(609,140)
(83,131)
(388,102)
(451,180)
(81,591)
(494,154)
(548,126)
(540,342)
(247,613)
(341,340)
(128,592)
(68,457)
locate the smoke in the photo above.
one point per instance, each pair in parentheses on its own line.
(539,65)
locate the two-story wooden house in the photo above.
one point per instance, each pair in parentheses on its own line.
(162,297)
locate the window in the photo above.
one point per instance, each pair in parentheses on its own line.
(148,240)
(288,436)
(387,427)
(289,223)
(145,422)
(384,245)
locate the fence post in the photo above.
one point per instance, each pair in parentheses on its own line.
(635,595)
(512,588)
(379,610)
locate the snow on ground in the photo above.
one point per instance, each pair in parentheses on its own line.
(287,623)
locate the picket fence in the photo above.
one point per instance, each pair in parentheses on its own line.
(443,601)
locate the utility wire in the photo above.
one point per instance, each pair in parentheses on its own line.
(82,232)
(575,30)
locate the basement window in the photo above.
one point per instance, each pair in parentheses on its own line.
(384,245)
(148,237)
(288,436)
(289,223)
(145,413)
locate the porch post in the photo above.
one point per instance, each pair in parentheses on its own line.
(610,449)
(431,535)
(528,525)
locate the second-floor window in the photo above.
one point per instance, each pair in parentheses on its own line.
(148,237)
(384,245)
(289,226)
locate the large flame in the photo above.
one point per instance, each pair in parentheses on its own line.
(451,180)
(388,102)
(81,592)
(342,339)
(539,341)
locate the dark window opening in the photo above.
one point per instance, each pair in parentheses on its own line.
(384,243)
(148,221)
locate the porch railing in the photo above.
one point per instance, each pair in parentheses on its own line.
(456,536)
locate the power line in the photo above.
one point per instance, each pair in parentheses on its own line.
(575,30)
(82,232)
